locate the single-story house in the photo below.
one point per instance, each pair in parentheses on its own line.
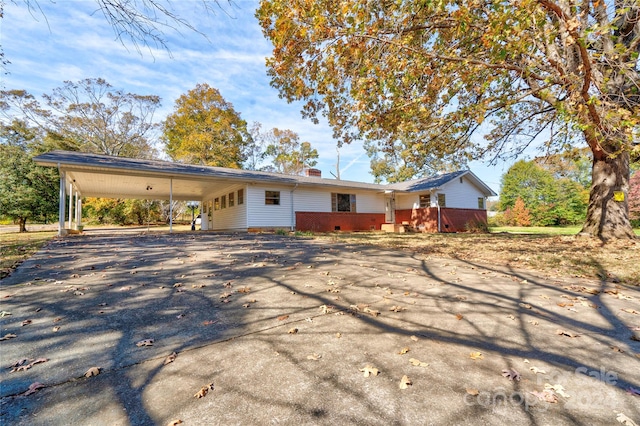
(247,200)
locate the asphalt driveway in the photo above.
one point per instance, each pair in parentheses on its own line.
(271,329)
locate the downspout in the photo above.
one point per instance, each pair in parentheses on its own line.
(439,217)
(293,217)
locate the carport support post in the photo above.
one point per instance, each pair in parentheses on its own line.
(170,205)
(78,211)
(70,202)
(62,201)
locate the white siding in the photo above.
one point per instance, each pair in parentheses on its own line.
(461,195)
(369,202)
(407,201)
(313,200)
(261,215)
(230,217)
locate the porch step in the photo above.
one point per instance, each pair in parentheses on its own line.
(395,227)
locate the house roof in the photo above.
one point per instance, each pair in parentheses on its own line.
(436,182)
(96,175)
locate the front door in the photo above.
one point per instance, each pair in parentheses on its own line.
(390,209)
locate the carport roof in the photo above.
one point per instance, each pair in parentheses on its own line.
(95,175)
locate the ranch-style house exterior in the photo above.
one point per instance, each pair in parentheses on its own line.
(246,200)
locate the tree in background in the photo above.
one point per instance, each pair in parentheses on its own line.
(404,160)
(288,155)
(90,116)
(550,201)
(438,71)
(205,129)
(518,215)
(27,191)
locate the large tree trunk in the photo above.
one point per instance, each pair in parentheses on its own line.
(608,217)
(22,222)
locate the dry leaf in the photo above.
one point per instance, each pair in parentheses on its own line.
(533,322)
(472,391)
(414,338)
(616,349)
(546,396)
(209,322)
(536,370)
(338,335)
(369,370)
(174,422)
(511,374)
(418,363)
(511,317)
(459,317)
(292,330)
(33,388)
(525,305)
(630,311)
(26,322)
(476,355)
(93,371)
(283,317)
(621,418)
(8,336)
(559,389)
(372,312)
(170,358)
(566,333)
(314,357)
(397,309)
(225,295)
(146,342)
(405,382)
(203,391)
(244,290)
(404,350)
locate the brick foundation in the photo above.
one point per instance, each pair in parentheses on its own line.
(338,221)
(452,220)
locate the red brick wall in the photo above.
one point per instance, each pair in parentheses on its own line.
(452,220)
(326,222)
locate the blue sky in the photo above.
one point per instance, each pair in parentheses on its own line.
(71,40)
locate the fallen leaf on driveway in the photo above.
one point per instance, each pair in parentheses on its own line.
(33,388)
(536,370)
(203,391)
(621,418)
(616,349)
(459,317)
(4,314)
(566,333)
(511,374)
(546,395)
(174,422)
(26,322)
(476,355)
(414,338)
(314,357)
(146,342)
(25,364)
(209,322)
(8,336)
(283,317)
(93,371)
(559,389)
(292,330)
(418,363)
(630,311)
(397,309)
(244,290)
(404,350)
(405,382)
(372,312)
(525,305)
(170,358)
(472,391)
(369,370)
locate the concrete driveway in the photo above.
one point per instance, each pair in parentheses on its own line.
(282,327)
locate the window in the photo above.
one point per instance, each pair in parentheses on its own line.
(231,199)
(442,200)
(272,198)
(343,202)
(240,196)
(216,204)
(223,202)
(425,201)
(461,181)
(481,203)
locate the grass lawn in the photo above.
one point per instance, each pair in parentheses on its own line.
(16,247)
(553,254)
(542,230)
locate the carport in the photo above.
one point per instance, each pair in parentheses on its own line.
(93,175)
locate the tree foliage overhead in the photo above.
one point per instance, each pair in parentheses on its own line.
(90,116)
(436,71)
(205,129)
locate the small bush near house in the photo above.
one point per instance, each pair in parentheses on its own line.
(281,232)
(476,227)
